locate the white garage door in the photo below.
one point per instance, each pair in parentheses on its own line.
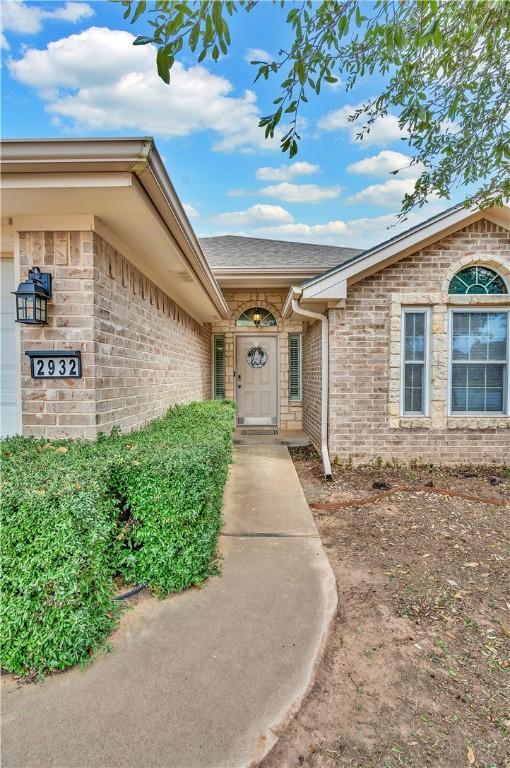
(8,372)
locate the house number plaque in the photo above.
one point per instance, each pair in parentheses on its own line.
(55,364)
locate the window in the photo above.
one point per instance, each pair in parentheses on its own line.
(294,366)
(219,367)
(415,362)
(477,279)
(256,317)
(479,362)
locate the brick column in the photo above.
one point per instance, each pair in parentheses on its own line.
(61,407)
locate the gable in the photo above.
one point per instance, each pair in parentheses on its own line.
(429,270)
(334,285)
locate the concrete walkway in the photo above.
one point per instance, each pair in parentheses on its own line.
(200,680)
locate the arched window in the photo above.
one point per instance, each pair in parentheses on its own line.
(477,279)
(256,317)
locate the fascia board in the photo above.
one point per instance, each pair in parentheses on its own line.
(157,185)
(336,291)
(85,162)
(64,156)
(374,261)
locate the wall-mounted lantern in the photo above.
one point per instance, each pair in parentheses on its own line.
(32,298)
(257,317)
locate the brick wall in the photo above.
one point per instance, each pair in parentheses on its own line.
(141,353)
(312,381)
(365,417)
(273,299)
(150,353)
(61,407)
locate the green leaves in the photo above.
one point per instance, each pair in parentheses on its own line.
(146,505)
(140,8)
(435,63)
(164,62)
(200,27)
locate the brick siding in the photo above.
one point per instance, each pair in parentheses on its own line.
(365,420)
(312,381)
(141,352)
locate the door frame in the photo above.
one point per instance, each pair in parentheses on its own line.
(276,336)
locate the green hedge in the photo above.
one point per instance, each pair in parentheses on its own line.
(57,525)
(171,481)
(146,505)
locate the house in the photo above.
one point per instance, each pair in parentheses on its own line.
(400,351)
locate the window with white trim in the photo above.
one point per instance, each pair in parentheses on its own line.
(415,354)
(479,358)
(294,366)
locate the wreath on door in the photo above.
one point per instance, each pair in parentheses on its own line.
(256,357)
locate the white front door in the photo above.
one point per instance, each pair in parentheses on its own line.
(257,380)
(8,369)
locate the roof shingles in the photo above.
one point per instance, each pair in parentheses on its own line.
(231,251)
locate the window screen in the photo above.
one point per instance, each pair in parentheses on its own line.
(479,355)
(415,362)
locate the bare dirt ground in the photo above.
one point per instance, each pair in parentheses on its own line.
(416,670)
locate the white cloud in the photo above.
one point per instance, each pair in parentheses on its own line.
(384,131)
(357,233)
(300,193)
(191,211)
(388,194)
(286,172)
(295,229)
(3,42)
(17,16)
(386,162)
(257,54)
(239,192)
(256,214)
(97,80)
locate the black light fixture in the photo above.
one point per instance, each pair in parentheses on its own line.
(257,317)
(32,298)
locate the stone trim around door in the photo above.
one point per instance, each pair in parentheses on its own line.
(289,411)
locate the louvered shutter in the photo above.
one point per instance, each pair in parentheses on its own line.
(219,367)
(295,366)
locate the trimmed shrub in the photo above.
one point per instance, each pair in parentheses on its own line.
(146,505)
(57,523)
(171,479)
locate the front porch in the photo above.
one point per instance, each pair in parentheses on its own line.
(257,362)
(291,438)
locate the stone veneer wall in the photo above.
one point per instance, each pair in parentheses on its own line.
(312,381)
(365,420)
(141,353)
(272,299)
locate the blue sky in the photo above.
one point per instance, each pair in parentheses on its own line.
(69,69)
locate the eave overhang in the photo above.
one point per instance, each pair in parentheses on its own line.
(333,285)
(266,277)
(119,163)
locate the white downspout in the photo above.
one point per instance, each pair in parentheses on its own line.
(325,381)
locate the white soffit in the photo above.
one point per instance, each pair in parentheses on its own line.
(119,209)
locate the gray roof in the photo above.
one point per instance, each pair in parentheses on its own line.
(235,251)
